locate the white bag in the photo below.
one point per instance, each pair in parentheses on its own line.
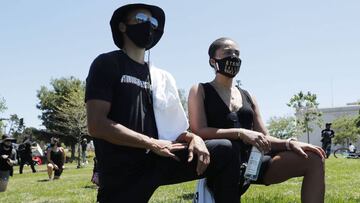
(202,193)
(170,116)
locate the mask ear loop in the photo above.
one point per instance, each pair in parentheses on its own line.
(215,66)
(149,91)
(148,57)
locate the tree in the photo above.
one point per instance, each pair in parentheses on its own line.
(345,130)
(2,109)
(306,111)
(183,100)
(283,127)
(16,126)
(2,105)
(63,110)
(357,121)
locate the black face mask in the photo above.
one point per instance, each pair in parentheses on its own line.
(142,34)
(229,66)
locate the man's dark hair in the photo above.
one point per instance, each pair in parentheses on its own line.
(216,45)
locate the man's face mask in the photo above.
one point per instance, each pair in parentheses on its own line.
(228,66)
(7,144)
(142,33)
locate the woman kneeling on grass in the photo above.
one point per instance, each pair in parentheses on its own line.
(56,159)
(218,110)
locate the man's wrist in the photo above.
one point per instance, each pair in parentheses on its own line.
(239,134)
(186,136)
(149,144)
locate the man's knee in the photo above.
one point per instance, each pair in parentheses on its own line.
(3,185)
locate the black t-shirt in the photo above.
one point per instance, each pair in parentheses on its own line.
(83,145)
(116,78)
(327,135)
(4,166)
(25,150)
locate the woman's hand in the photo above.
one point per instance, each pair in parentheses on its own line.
(56,167)
(301,147)
(165,148)
(256,139)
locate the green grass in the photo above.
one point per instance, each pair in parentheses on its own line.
(342,186)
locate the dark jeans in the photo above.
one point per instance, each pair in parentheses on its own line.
(155,171)
(26,161)
(326,146)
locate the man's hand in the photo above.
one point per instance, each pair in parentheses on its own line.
(165,148)
(4,156)
(301,147)
(197,146)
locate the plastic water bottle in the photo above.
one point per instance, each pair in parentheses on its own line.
(254,163)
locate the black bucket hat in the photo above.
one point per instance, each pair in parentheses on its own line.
(121,12)
(7,138)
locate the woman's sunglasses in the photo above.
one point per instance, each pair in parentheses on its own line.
(142,18)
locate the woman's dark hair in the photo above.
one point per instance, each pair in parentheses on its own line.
(216,45)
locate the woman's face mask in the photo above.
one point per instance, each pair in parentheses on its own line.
(228,66)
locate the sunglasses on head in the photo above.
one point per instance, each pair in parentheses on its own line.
(142,18)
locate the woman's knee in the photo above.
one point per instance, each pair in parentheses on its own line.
(315,162)
(50,166)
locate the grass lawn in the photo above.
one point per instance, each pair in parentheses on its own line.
(342,186)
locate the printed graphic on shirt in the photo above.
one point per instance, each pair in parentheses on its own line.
(135,81)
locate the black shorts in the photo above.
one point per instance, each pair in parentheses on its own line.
(59,171)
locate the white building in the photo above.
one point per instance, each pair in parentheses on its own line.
(328,116)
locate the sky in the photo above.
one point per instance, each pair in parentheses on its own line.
(285,47)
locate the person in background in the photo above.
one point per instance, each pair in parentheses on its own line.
(83,150)
(326,136)
(56,159)
(352,148)
(25,154)
(7,161)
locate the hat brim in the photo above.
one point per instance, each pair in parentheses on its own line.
(120,13)
(8,139)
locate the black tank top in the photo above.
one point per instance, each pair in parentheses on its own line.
(218,114)
(56,157)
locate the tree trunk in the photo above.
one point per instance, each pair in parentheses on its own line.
(73,146)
